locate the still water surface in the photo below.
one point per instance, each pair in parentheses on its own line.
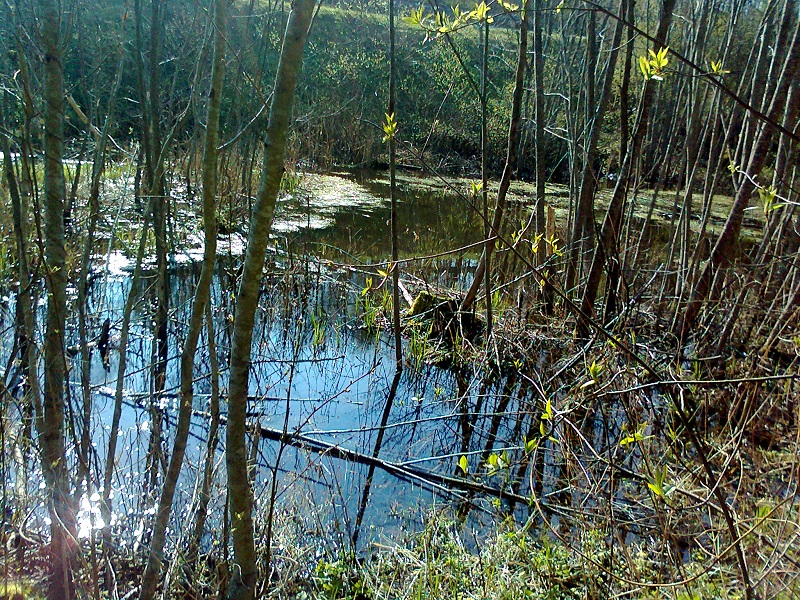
(312,357)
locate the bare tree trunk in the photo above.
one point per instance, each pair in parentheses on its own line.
(724,250)
(583,221)
(160,209)
(511,159)
(113,434)
(83,285)
(211,449)
(541,172)
(244,576)
(760,259)
(201,299)
(487,275)
(398,342)
(20,208)
(51,435)
(609,233)
(149,101)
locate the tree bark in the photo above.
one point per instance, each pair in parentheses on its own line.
(609,233)
(398,342)
(511,160)
(201,299)
(26,321)
(51,434)
(724,250)
(541,172)
(583,221)
(204,496)
(243,582)
(98,166)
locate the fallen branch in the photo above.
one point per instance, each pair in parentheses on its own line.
(299,440)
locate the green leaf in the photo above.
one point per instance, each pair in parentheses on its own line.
(636,436)
(662,57)
(768,197)
(657,484)
(416,16)
(553,243)
(595,369)
(481,13)
(548,411)
(653,66)
(442,23)
(631,439)
(716,68)
(503,460)
(535,243)
(389,127)
(368,287)
(656,489)
(463,464)
(644,66)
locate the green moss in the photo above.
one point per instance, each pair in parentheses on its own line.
(423,303)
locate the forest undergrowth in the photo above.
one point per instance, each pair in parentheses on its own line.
(615,491)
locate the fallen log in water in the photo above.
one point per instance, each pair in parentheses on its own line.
(299,440)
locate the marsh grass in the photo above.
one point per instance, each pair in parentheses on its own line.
(446,560)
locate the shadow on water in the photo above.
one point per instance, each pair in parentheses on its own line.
(359,450)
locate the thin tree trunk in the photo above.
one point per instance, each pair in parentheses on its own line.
(487,275)
(387,409)
(789,121)
(113,435)
(51,435)
(609,233)
(83,285)
(583,221)
(158,189)
(242,585)
(541,173)
(20,208)
(398,342)
(211,449)
(201,299)
(724,250)
(511,160)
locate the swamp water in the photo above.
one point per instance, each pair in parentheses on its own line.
(317,370)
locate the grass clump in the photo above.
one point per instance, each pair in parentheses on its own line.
(511,563)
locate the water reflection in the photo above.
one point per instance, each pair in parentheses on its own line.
(317,371)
